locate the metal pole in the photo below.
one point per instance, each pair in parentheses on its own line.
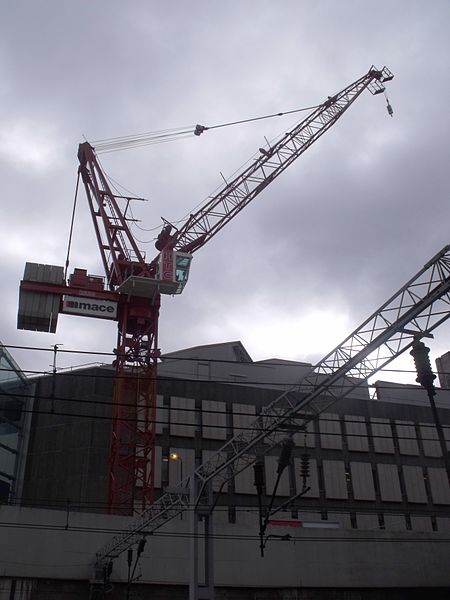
(440,431)
(426,377)
(193,576)
(209,545)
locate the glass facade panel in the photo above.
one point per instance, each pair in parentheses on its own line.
(14,392)
(7,462)
(7,371)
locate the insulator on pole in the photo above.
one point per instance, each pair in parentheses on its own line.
(304,467)
(141,546)
(285,455)
(259,483)
(107,570)
(425,375)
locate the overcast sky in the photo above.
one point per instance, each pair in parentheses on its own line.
(318,251)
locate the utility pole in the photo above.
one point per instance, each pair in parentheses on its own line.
(426,377)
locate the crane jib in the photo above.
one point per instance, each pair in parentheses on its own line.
(271,162)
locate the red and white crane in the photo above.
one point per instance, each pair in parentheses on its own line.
(132,291)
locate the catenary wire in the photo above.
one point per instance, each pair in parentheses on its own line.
(5,409)
(328,505)
(68,371)
(47,375)
(167,357)
(234,537)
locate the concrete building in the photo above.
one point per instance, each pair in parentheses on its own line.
(375,522)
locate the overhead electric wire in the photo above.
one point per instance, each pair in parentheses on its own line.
(166,357)
(266,387)
(262,363)
(214,412)
(223,536)
(76,371)
(163,358)
(311,506)
(74,508)
(174,376)
(111,417)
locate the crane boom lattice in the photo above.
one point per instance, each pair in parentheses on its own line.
(420,306)
(271,162)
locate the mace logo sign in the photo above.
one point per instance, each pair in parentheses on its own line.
(89,307)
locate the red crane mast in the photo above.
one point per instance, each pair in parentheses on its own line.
(136,285)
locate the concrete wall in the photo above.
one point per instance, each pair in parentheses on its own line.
(43,544)
(69,441)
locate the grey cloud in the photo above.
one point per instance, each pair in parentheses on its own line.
(345,226)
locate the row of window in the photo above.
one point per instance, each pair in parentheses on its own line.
(358,434)
(330,479)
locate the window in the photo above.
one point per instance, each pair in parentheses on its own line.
(335,479)
(330,431)
(382,436)
(356,433)
(389,483)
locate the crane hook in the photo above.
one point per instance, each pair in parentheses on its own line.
(388,106)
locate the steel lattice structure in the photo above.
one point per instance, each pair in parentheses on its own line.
(237,193)
(418,308)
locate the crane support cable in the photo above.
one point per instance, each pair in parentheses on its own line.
(143,139)
(418,308)
(115,144)
(199,129)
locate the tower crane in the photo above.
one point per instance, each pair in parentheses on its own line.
(132,291)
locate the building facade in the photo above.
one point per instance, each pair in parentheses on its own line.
(378,494)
